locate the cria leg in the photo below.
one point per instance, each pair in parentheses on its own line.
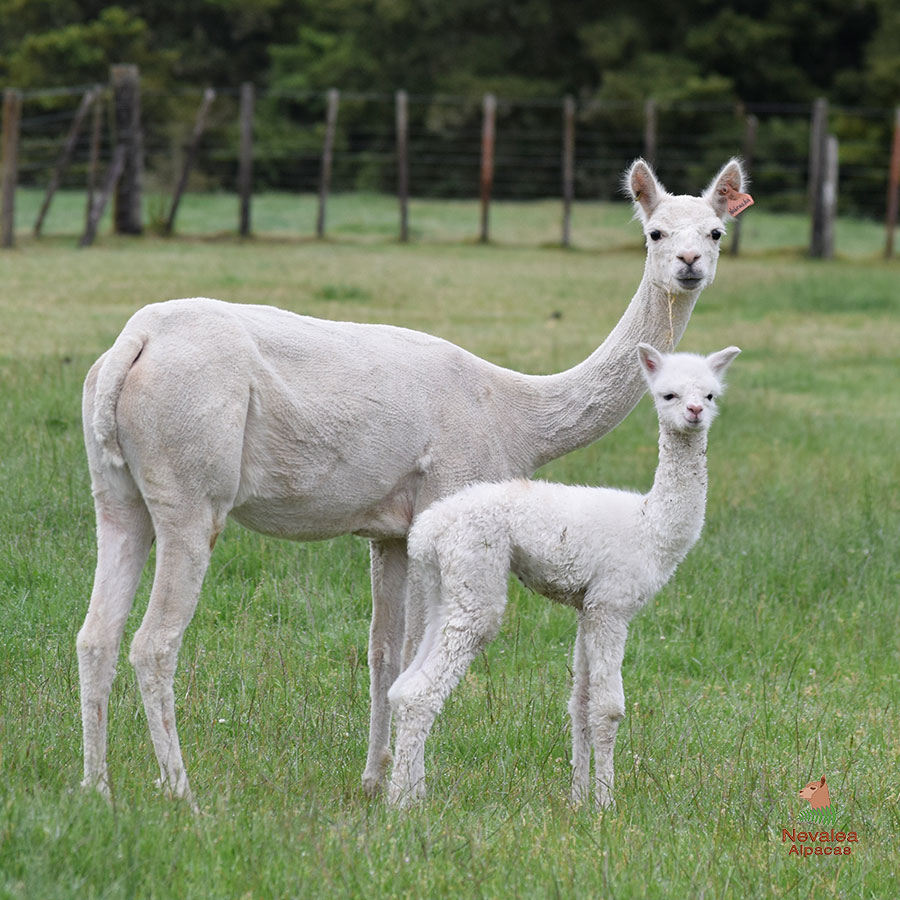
(182,557)
(604,644)
(418,700)
(467,621)
(124,536)
(385,648)
(578,713)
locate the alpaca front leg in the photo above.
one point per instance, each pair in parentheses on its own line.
(578,713)
(605,648)
(124,536)
(606,715)
(385,648)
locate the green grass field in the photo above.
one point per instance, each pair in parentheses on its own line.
(772,657)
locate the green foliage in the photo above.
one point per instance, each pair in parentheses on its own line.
(773,50)
(882,62)
(81,52)
(317,60)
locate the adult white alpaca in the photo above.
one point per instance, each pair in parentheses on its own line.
(605,552)
(306,429)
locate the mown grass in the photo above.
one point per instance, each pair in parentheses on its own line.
(771,658)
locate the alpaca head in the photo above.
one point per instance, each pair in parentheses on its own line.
(683,233)
(685,386)
(817,794)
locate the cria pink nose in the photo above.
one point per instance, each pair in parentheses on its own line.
(696,410)
(689,256)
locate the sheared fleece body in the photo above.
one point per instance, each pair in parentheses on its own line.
(322,428)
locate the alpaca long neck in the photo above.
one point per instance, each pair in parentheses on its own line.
(676,505)
(576,407)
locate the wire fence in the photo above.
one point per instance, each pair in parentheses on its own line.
(444,138)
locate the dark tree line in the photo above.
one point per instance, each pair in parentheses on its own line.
(754,50)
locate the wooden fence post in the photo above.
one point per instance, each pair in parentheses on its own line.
(403,162)
(245,164)
(9,164)
(94,155)
(126,85)
(488,126)
(331,115)
(65,156)
(829,196)
(893,196)
(818,140)
(750,126)
(113,174)
(190,155)
(568,167)
(650,130)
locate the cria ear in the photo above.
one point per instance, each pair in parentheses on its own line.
(643,188)
(650,360)
(730,181)
(719,362)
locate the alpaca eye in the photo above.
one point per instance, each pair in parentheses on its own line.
(655,235)
(709,396)
(668,396)
(715,234)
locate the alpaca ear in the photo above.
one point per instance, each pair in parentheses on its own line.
(719,362)
(822,782)
(731,180)
(650,360)
(643,188)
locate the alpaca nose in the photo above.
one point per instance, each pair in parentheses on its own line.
(689,257)
(695,409)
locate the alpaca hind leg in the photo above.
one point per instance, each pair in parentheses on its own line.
(604,642)
(182,557)
(467,621)
(385,649)
(578,713)
(124,536)
(417,700)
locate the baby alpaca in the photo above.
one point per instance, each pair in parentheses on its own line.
(606,552)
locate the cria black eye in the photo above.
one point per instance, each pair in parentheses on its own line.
(715,234)
(655,235)
(709,396)
(668,396)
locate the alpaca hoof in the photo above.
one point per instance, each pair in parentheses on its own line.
(371,786)
(373,777)
(578,799)
(402,797)
(181,793)
(100,785)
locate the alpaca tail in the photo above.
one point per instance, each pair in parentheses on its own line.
(110,380)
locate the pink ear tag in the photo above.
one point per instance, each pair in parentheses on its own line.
(735,200)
